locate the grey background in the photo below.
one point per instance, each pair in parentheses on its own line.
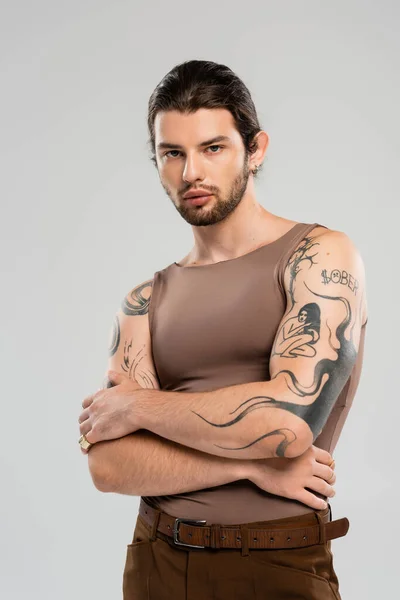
(84,219)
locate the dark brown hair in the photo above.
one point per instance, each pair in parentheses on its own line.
(203,84)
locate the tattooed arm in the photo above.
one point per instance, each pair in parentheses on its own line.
(130,343)
(144,463)
(325,290)
(314,352)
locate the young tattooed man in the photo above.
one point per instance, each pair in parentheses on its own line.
(232,371)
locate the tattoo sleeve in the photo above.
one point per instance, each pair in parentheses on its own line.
(316,345)
(130,344)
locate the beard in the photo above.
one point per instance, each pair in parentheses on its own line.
(201,216)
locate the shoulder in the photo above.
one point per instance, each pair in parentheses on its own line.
(331,244)
(328,262)
(328,243)
(136,301)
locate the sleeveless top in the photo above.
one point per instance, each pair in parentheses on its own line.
(213,326)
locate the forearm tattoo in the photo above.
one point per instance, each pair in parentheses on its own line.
(297,337)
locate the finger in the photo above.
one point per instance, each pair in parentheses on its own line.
(85,428)
(88,401)
(323,456)
(324,472)
(316,484)
(83,416)
(311,500)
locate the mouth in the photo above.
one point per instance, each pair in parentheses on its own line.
(198,200)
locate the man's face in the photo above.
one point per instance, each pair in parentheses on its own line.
(186,164)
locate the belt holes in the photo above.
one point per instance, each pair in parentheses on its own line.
(254,539)
(238,539)
(190,535)
(169,527)
(304,537)
(222,537)
(271,539)
(288,539)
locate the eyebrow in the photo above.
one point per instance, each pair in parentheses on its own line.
(218,138)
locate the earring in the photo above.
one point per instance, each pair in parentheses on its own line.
(255,169)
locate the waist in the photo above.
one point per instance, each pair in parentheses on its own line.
(295,532)
(237,502)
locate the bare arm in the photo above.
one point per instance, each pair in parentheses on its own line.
(144,464)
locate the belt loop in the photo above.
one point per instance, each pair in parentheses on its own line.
(153,533)
(322,532)
(244,535)
(215,535)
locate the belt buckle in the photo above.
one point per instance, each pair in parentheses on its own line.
(175,530)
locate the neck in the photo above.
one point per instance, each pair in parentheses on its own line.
(247,227)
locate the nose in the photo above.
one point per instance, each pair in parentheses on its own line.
(193,170)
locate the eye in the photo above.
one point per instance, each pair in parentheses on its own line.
(168,154)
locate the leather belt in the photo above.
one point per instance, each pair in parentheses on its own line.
(196,534)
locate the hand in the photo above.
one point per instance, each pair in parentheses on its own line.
(289,477)
(110,413)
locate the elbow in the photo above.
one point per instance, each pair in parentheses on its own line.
(100,483)
(298,442)
(97,468)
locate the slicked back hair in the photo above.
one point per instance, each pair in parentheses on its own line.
(197,84)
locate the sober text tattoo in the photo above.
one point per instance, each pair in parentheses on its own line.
(342,277)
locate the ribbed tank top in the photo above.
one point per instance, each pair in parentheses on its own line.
(213,326)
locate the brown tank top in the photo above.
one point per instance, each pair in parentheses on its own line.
(213,326)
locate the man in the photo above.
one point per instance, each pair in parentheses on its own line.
(233,370)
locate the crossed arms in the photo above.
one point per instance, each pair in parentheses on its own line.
(314,352)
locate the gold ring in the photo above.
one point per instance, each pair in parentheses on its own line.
(83,442)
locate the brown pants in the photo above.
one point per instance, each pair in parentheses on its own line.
(158,570)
